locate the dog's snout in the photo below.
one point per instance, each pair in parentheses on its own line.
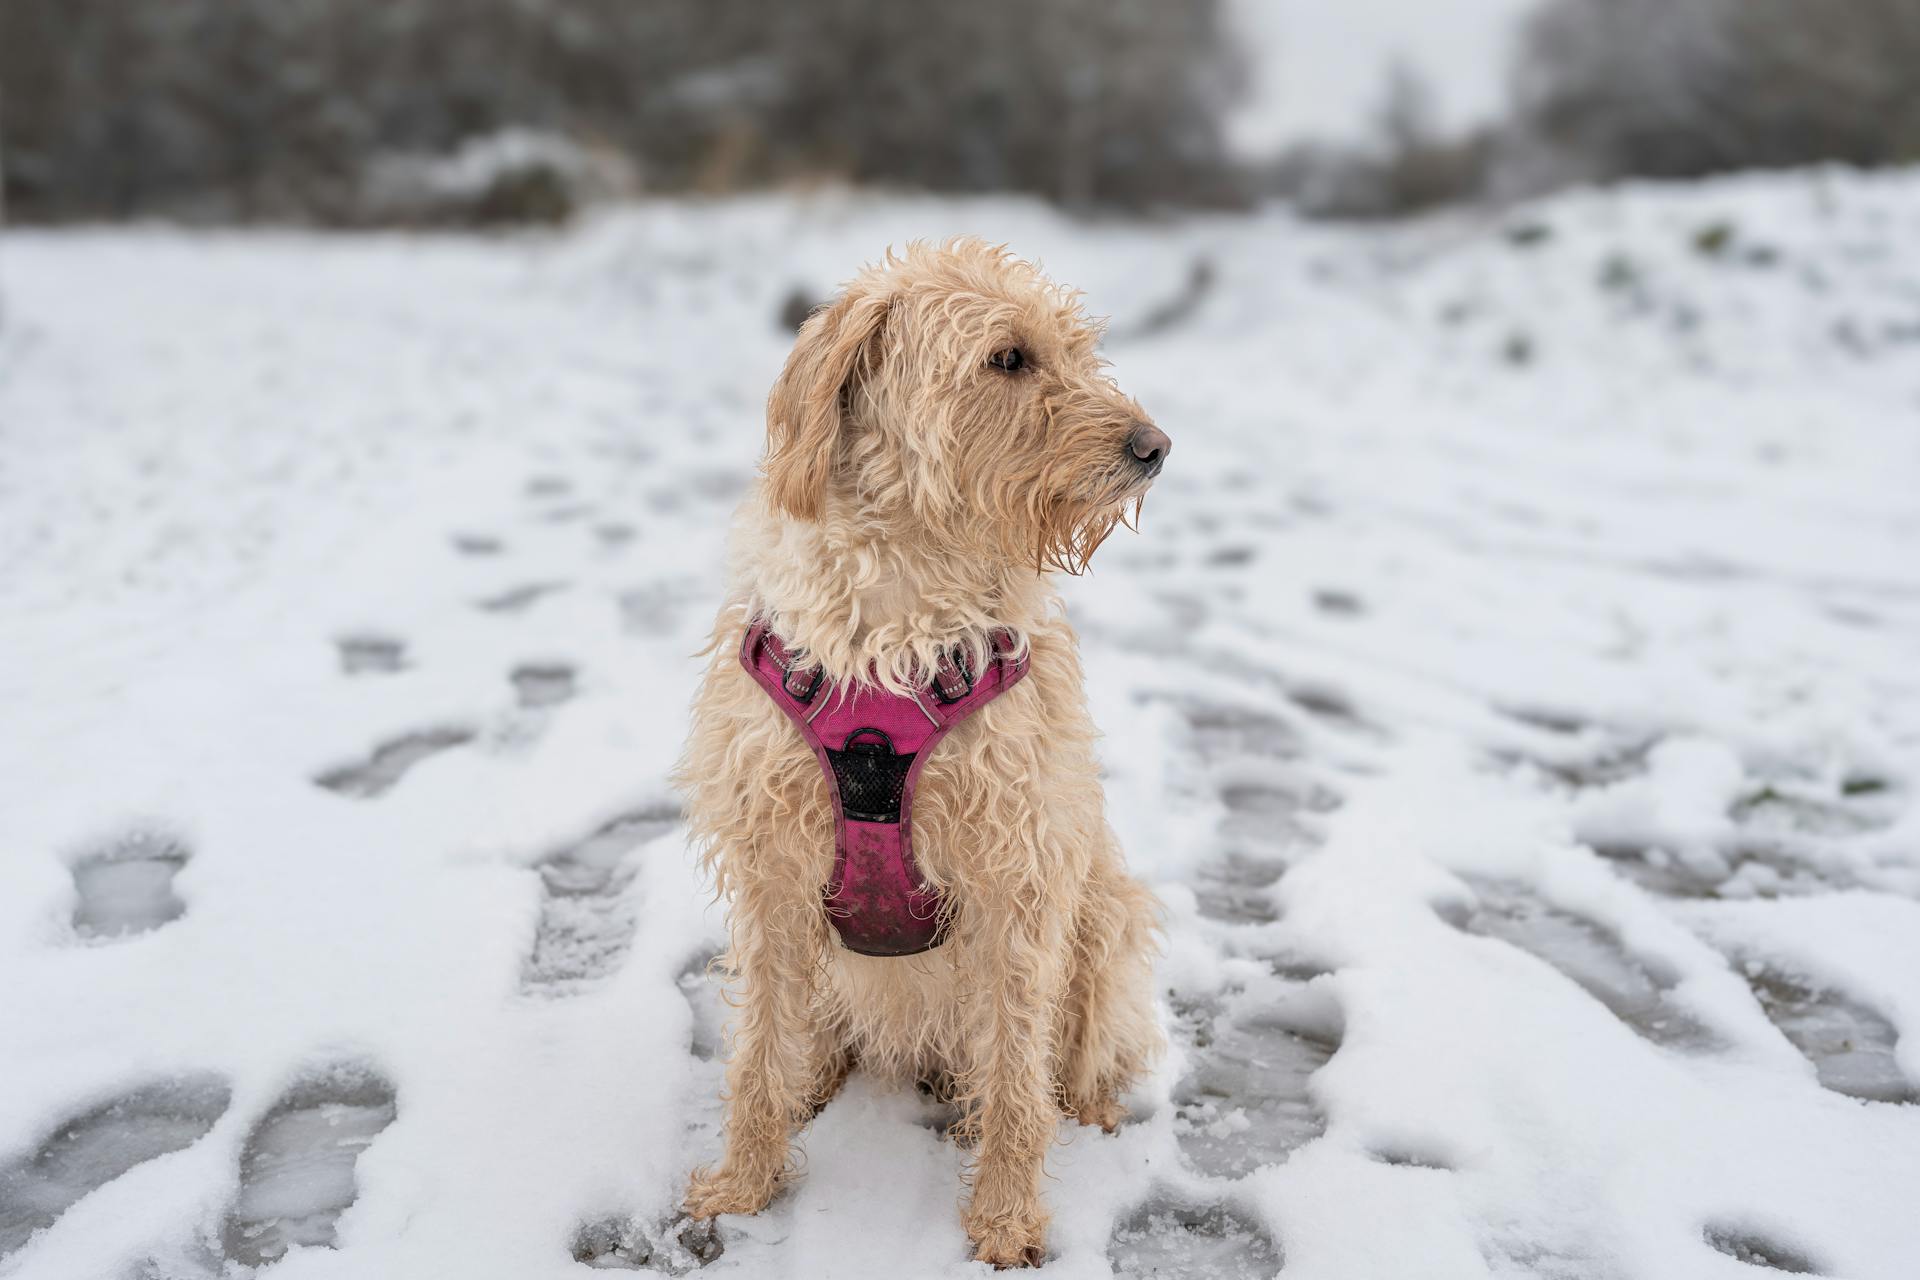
(1150,445)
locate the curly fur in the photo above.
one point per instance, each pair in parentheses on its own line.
(915,499)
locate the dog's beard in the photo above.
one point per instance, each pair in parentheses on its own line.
(1073,531)
(1054,511)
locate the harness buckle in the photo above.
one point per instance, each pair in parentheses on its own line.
(951,679)
(802,685)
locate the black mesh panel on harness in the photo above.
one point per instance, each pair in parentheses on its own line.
(871,775)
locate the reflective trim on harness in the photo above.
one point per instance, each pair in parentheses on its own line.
(870,745)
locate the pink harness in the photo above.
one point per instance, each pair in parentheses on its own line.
(871,745)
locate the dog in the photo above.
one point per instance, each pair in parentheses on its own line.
(942,439)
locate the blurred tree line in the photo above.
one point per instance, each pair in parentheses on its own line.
(313,109)
(1681,88)
(1609,89)
(401,111)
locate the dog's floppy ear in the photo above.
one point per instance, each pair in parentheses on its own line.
(807,407)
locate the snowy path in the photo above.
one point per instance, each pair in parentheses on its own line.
(1511,696)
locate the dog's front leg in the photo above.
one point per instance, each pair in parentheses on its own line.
(1010,1088)
(773,1074)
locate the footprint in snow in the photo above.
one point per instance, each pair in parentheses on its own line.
(1186,612)
(1601,765)
(1746,871)
(655,609)
(1243,1103)
(297,1170)
(1326,702)
(390,761)
(477,544)
(1268,814)
(1238,889)
(674,1247)
(1786,834)
(1566,724)
(586,924)
(567,513)
(1338,602)
(1660,872)
(519,599)
(1232,557)
(371,654)
(1785,812)
(547,486)
(542,684)
(1410,1157)
(92,1148)
(1248,753)
(1588,955)
(1221,732)
(1851,1047)
(1171,1237)
(703,991)
(127,887)
(1757,1251)
(1586,755)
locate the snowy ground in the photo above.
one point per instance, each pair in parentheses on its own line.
(1512,696)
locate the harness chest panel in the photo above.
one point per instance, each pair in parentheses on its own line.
(871,745)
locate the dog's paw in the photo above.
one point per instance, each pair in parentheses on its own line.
(1105,1112)
(1009,1244)
(711,1194)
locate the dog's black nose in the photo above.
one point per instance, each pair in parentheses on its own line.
(1150,445)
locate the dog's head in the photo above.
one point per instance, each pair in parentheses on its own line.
(956,393)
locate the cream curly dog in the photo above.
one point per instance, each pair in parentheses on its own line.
(941,438)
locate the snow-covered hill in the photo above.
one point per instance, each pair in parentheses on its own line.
(1511,694)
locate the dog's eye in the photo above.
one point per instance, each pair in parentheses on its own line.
(1011,360)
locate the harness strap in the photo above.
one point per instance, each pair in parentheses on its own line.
(871,746)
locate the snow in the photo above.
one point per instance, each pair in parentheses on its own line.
(1510,695)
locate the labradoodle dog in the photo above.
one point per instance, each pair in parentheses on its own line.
(941,438)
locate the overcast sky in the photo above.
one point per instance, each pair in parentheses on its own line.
(1317,64)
